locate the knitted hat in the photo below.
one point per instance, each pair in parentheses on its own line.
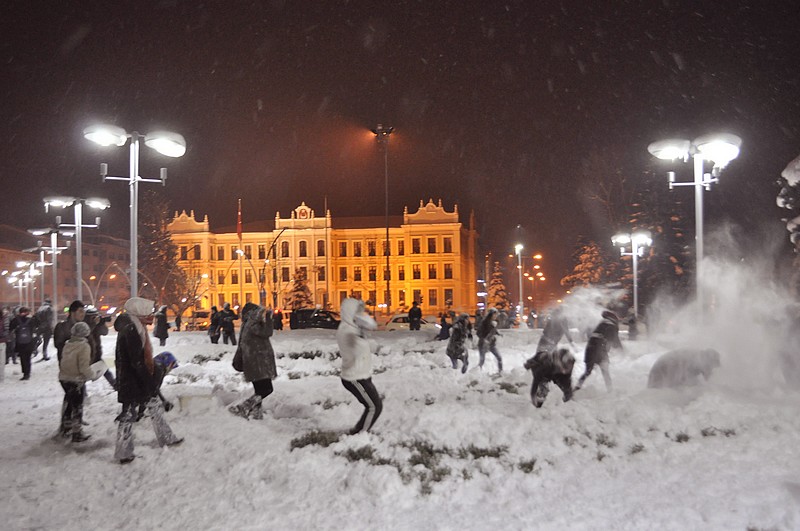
(91,310)
(139,307)
(80,329)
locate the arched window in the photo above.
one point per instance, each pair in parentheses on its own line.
(284,249)
(303,248)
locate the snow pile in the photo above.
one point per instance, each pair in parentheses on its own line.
(450,451)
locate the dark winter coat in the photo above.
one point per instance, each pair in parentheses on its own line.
(415,313)
(604,337)
(551,366)
(61,334)
(555,328)
(134,380)
(161,328)
(258,358)
(487,331)
(227,317)
(17,324)
(99,329)
(459,333)
(214,324)
(46,318)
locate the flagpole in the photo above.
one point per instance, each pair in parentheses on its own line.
(241,254)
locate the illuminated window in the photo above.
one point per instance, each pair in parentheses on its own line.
(371,248)
(432,299)
(357,274)
(432,271)
(284,249)
(262,251)
(448,245)
(373,274)
(320,247)
(448,271)
(401,272)
(303,248)
(342,274)
(431,245)
(401,247)
(415,246)
(416,272)
(356,248)
(342,248)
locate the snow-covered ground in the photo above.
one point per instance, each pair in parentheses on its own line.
(450,451)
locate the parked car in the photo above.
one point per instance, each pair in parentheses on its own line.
(199,320)
(399,321)
(313,318)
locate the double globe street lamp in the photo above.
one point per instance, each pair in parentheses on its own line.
(719,149)
(638,241)
(165,142)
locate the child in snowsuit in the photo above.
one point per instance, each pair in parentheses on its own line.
(487,338)
(74,371)
(460,331)
(551,366)
(604,337)
(357,361)
(257,359)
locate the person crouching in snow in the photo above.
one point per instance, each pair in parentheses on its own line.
(257,357)
(551,366)
(73,373)
(357,361)
(604,337)
(135,378)
(487,338)
(162,365)
(460,331)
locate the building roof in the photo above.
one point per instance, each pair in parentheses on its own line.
(16,239)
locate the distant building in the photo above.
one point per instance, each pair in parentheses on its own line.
(432,259)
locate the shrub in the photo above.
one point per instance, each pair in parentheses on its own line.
(318,437)
(365,453)
(509,388)
(636,448)
(604,440)
(682,437)
(477,453)
(527,466)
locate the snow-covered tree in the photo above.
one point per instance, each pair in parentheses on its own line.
(300,295)
(789,198)
(591,267)
(498,296)
(158,255)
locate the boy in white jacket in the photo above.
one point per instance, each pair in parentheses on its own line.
(74,371)
(357,361)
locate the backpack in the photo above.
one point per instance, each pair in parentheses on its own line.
(24,335)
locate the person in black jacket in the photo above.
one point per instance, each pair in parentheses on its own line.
(550,366)
(62,332)
(97,325)
(135,378)
(214,324)
(604,337)
(161,329)
(227,317)
(414,316)
(487,338)
(23,327)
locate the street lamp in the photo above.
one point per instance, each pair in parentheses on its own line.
(382,135)
(719,149)
(54,251)
(638,241)
(165,142)
(77,205)
(518,249)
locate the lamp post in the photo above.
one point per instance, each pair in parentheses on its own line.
(165,142)
(77,205)
(719,149)
(518,249)
(54,251)
(382,135)
(638,241)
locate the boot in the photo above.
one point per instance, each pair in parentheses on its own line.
(79,437)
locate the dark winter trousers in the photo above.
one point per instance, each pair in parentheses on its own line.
(458,352)
(365,392)
(214,338)
(263,388)
(162,341)
(164,436)
(540,388)
(228,335)
(46,341)
(24,352)
(72,408)
(596,354)
(483,346)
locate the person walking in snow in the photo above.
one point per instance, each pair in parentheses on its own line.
(97,325)
(550,366)
(73,373)
(214,325)
(161,329)
(63,330)
(603,338)
(354,348)
(257,359)
(135,378)
(23,326)
(556,326)
(414,316)
(46,320)
(487,338)
(227,317)
(460,331)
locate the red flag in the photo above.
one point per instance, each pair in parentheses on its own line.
(239,221)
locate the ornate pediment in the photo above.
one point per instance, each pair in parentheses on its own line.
(431,213)
(183,223)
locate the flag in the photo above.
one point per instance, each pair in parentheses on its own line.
(239,222)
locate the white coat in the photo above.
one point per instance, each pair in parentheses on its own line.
(353,344)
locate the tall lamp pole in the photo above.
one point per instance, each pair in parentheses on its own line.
(382,135)
(165,142)
(518,249)
(53,250)
(638,241)
(719,149)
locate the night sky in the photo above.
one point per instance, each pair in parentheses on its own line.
(502,107)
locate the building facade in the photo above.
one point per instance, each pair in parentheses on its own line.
(432,259)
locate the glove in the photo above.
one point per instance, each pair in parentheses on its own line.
(168,405)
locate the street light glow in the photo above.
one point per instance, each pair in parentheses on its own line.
(167,143)
(670,149)
(719,148)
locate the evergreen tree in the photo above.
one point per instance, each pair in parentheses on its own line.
(158,255)
(789,199)
(591,267)
(300,296)
(498,296)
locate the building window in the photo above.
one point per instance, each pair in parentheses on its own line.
(342,248)
(262,251)
(303,248)
(448,271)
(304,272)
(448,244)
(357,274)
(196,249)
(384,246)
(418,296)
(184,253)
(342,296)
(414,245)
(401,272)
(321,273)
(431,271)
(234,256)
(371,248)
(220,277)
(448,297)
(401,247)
(248,276)
(248,297)
(284,274)
(373,274)
(372,297)
(356,248)
(387,273)
(221,300)
(284,249)
(432,299)
(342,274)
(248,251)
(401,299)
(320,247)
(356,294)
(432,245)
(235,300)
(416,272)
(234,277)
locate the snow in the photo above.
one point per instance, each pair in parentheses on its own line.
(792,172)
(450,451)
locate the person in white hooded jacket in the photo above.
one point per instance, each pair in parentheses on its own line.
(74,371)
(357,361)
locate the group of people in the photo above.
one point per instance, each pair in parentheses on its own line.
(21,335)
(221,324)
